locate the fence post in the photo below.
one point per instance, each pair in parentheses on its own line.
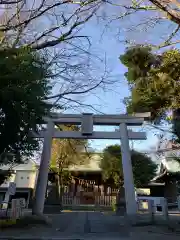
(164,206)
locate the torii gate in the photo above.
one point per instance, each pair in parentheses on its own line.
(87,121)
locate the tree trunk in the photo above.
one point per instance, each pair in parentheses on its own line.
(60,184)
(60,188)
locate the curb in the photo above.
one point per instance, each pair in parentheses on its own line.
(38,238)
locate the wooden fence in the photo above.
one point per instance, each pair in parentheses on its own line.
(89,198)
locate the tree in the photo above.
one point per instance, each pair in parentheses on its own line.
(154,83)
(5,175)
(61,36)
(153,22)
(55,27)
(67,153)
(170,7)
(23,87)
(144,169)
(38,76)
(63,20)
(61,24)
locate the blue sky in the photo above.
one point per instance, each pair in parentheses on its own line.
(110,102)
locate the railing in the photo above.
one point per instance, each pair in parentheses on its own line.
(102,200)
(69,200)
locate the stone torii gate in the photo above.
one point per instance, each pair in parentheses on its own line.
(86,122)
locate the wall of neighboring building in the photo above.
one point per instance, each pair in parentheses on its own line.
(167,157)
(25,179)
(25,176)
(173,150)
(171,192)
(92,165)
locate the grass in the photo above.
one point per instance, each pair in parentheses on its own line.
(26,221)
(4,223)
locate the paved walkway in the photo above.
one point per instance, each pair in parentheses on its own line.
(86,225)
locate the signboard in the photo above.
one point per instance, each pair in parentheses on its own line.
(11,191)
(12,188)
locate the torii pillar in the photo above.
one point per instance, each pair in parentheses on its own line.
(131,204)
(42,180)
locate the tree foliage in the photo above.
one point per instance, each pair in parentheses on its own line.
(144,169)
(154,83)
(66,153)
(24,85)
(5,175)
(61,36)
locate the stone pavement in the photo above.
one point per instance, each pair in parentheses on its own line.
(86,225)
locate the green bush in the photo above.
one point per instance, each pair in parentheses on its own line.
(25,221)
(7,222)
(33,220)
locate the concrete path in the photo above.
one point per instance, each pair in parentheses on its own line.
(86,225)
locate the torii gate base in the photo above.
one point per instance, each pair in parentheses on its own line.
(87,121)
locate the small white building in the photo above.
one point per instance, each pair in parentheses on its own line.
(25,177)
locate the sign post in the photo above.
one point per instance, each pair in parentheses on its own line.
(11,191)
(14,209)
(12,188)
(17,207)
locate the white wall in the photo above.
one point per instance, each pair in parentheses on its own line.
(25,175)
(25,179)
(92,165)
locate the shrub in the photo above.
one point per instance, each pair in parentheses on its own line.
(7,222)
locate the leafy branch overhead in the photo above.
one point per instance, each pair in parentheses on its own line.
(154,82)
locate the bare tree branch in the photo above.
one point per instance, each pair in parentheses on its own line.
(64,37)
(147,17)
(167,6)
(10,2)
(73,92)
